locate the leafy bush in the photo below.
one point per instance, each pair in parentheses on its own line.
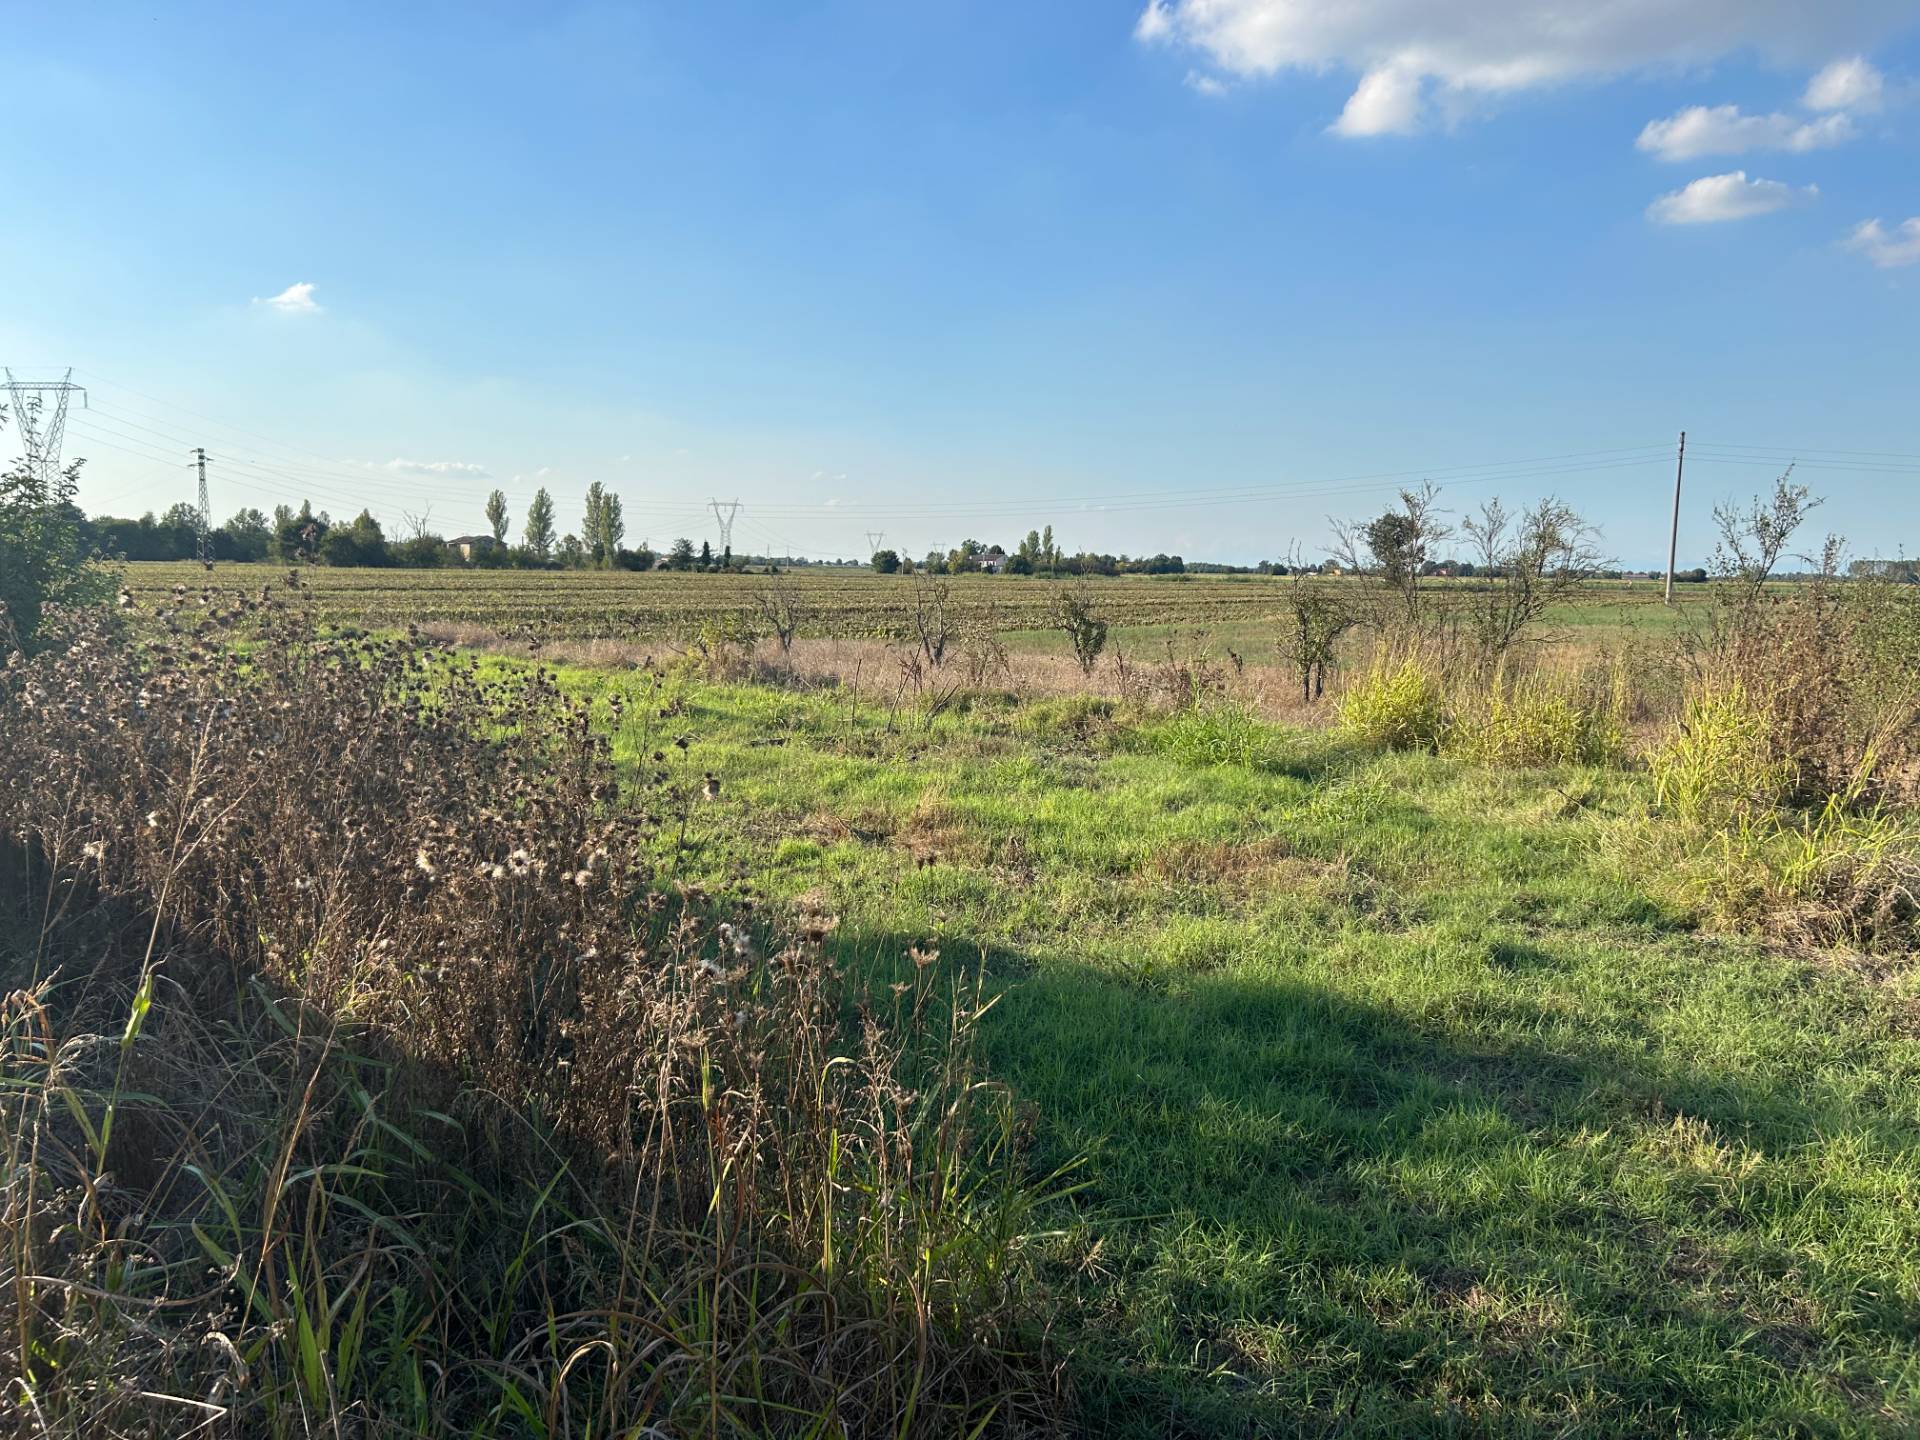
(1076,614)
(1400,705)
(44,557)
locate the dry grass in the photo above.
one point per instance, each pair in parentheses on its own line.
(882,672)
(364,1073)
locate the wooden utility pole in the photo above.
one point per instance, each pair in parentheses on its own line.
(1673,542)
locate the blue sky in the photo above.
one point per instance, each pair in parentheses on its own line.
(1187,278)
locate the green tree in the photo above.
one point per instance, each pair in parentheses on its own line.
(44,557)
(497,516)
(247,536)
(680,556)
(886,562)
(605,527)
(538,534)
(361,543)
(298,536)
(706,555)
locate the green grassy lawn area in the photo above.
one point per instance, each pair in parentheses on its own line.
(1402,1113)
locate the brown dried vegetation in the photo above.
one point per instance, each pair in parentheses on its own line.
(362,1073)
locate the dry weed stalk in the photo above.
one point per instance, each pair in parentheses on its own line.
(422,1102)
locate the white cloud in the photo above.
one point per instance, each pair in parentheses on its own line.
(1887,249)
(1202,83)
(460,469)
(1724,130)
(1492,47)
(1714,198)
(296,299)
(1846,85)
(1385,102)
(1155,22)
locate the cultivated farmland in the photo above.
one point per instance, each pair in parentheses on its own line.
(838,603)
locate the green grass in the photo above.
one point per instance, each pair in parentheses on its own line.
(1403,1112)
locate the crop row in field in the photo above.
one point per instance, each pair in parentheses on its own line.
(589,604)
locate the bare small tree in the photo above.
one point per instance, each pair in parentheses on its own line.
(1753,539)
(414,524)
(783,607)
(982,651)
(932,616)
(1528,560)
(1393,548)
(1319,620)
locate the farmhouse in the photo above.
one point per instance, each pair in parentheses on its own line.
(470,547)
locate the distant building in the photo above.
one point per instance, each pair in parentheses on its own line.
(994,561)
(471,547)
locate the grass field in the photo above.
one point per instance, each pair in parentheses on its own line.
(1397,1104)
(1235,610)
(1401,1113)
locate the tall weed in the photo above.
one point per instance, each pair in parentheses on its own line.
(1397,704)
(1538,720)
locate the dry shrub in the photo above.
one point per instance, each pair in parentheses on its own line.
(1785,782)
(363,1075)
(1835,877)
(1835,672)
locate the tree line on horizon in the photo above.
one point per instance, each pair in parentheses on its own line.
(306,535)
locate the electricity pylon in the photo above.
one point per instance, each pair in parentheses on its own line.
(725,511)
(43,424)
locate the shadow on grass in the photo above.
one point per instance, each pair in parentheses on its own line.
(1312,1215)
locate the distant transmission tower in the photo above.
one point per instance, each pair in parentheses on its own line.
(206,511)
(875,539)
(43,426)
(725,512)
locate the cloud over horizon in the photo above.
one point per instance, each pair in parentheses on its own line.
(460,469)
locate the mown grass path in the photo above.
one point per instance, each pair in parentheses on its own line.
(1402,1113)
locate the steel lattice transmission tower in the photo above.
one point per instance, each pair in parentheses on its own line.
(206,511)
(42,422)
(875,539)
(725,512)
